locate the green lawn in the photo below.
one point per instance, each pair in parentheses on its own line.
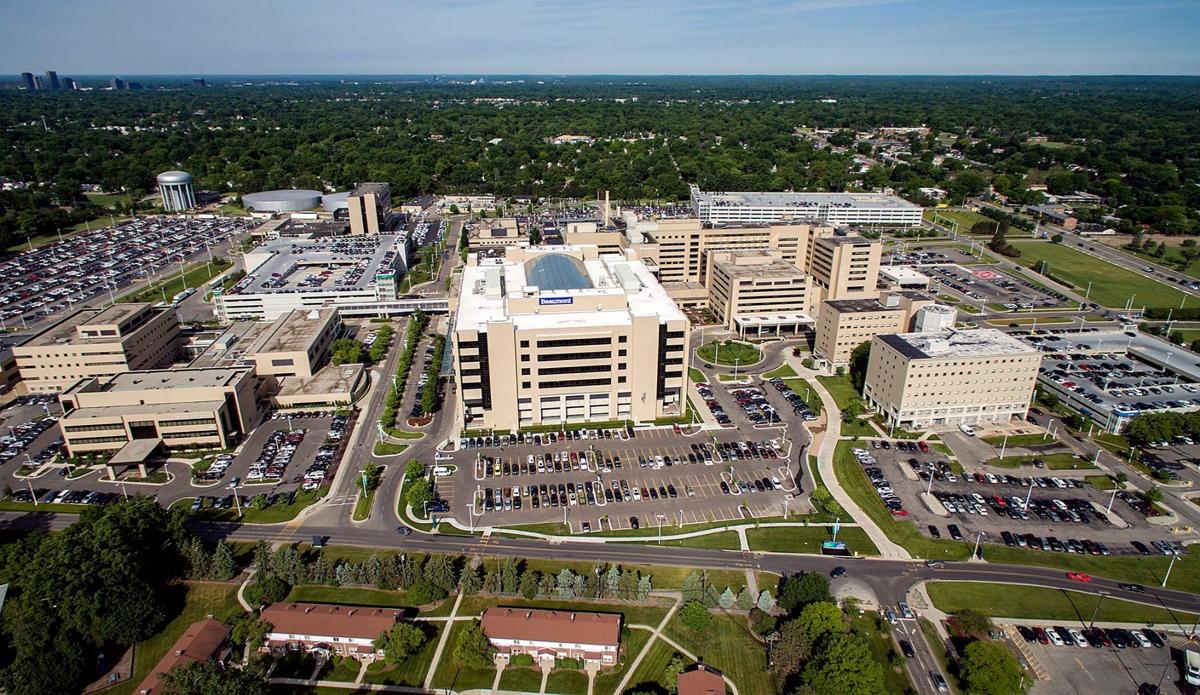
(527,680)
(696,375)
(730,646)
(1020,440)
(194,276)
(388,449)
(662,576)
(1111,285)
(452,675)
(843,392)
(341,668)
(362,507)
(632,642)
(784,371)
(1015,601)
(410,672)
(200,600)
(563,682)
(965,218)
(729,352)
(725,540)
(649,675)
(279,513)
(1054,462)
(785,539)
(320,593)
(1101,482)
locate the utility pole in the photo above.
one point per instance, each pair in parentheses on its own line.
(1174,557)
(1096,610)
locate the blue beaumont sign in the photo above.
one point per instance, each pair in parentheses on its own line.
(556,300)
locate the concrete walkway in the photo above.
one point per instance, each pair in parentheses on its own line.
(437,654)
(655,632)
(825,457)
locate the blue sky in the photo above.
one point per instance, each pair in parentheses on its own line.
(604,36)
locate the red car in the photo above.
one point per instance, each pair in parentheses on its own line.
(923,447)
(1079,576)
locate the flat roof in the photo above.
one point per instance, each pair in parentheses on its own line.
(901,273)
(488,286)
(295,331)
(330,379)
(116,313)
(64,332)
(174,379)
(101,411)
(859,306)
(846,240)
(980,342)
(774,267)
(802,200)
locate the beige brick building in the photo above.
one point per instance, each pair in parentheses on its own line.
(845,267)
(564,334)
(949,377)
(844,324)
(98,343)
(755,292)
(370,207)
(200,408)
(297,343)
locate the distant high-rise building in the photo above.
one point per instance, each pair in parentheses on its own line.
(38,83)
(134,85)
(27,80)
(69,83)
(199,82)
(52,79)
(117,83)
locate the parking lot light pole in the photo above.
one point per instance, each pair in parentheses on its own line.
(31,493)
(1174,557)
(1003,445)
(929,488)
(1108,509)
(1096,610)
(1029,493)
(978,539)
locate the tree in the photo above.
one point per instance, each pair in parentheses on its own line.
(790,651)
(420,491)
(210,678)
(860,356)
(853,410)
(695,616)
(1154,494)
(224,565)
(693,586)
(745,599)
(843,664)
(268,589)
(766,602)
(671,673)
(346,351)
(989,668)
(799,590)
(971,622)
(470,582)
(528,586)
(401,642)
(1056,239)
(473,649)
(439,571)
(821,619)
(727,599)
(249,631)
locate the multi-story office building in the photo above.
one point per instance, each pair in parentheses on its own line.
(552,335)
(52,80)
(296,344)
(844,324)
(756,292)
(192,408)
(489,234)
(846,267)
(920,380)
(27,81)
(833,208)
(98,343)
(370,208)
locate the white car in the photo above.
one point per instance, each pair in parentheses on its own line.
(1081,641)
(1055,638)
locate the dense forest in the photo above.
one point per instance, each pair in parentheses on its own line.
(1135,141)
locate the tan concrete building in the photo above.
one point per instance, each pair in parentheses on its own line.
(370,208)
(755,292)
(191,408)
(297,343)
(493,233)
(98,343)
(951,377)
(552,335)
(846,267)
(844,324)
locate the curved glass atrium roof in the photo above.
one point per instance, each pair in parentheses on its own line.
(556,271)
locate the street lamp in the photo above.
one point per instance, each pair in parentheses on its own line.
(978,539)
(1096,610)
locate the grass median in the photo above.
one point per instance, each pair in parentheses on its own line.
(1041,603)
(808,539)
(730,353)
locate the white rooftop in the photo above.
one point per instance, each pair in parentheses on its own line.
(902,273)
(487,289)
(800,199)
(981,342)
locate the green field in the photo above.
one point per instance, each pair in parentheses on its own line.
(320,593)
(1015,601)
(965,218)
(1111,286)
(520,679)
(795,539)
(563,682)
(1054,462)
(843,392)
(193,276)
(632,642)
(783,371)
(730,353)
(1020,440)
(730,646)
(452,675)
(410,672)
(696,375)
(649,675)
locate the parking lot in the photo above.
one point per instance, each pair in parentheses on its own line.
(621,479)
(426,231)
(908,254)
(982,284)
(55,277)
(1051,511)
(1075,659)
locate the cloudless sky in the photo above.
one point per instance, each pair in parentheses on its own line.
(200,37)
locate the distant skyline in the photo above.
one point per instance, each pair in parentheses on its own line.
(639,37)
